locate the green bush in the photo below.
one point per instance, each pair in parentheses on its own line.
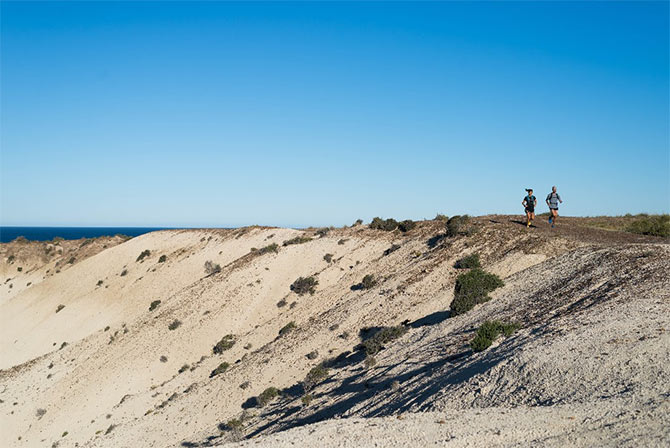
(274,247)
(468,262)
(384,335)
(219,369)
(143,255)
(267,396)
(234,425)
(297,240)
(441,217)
(322,231)
(657,225)
(226,343)
(286,329)
(472,288)
(328,258)
(406,225)
(306,399)
(368,282)
(357,223)
(154,305)
(387,225)
(212,268)
(457,225)
(304,285)
(489,331)
(315,376)
(162,259)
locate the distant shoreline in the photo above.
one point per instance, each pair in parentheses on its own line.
(10,233)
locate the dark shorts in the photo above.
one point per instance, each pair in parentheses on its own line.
(553,208)
(530,209)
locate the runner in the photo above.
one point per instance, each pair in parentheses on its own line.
(553,199)
(529,203)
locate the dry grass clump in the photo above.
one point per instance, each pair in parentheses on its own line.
(154,305)
(162,259)
(174,324)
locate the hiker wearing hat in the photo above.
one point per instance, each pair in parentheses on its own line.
(529,203)
(553,199)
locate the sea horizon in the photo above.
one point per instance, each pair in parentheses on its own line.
(48,233)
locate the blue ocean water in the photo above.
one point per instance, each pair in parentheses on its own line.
(8,233)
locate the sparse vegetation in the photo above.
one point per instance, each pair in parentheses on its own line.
(267,396)
(154,305)
(297,240)
(468,262)
(306,399)
(110,429)
(174,324)
(391,249)
(163,358)
(370,361)
(281,303)
(71,260)
(184,368)
(212,268)
(342,241)
(657,225)
(312,355)
(387,225)
(286,329)
(472,288)
(315,376)
(304,285)
(124,273)
(59,308)
(40,413)
(145,253)
(322,232)
(406,225)
(489,332)
(458,225)
(245,385)
(226,343)
(100,282)
(235,425)
(219,369)
(328,258)
(368,282)
(441,217)
(162,259)
(270,248)
(375,343)
(358,222)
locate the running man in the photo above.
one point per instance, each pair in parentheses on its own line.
(553,199)
(529,203)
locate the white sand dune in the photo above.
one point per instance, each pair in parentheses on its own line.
(593,306)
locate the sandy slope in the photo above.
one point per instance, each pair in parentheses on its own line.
(117,381)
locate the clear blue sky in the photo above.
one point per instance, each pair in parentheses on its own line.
(296,114)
